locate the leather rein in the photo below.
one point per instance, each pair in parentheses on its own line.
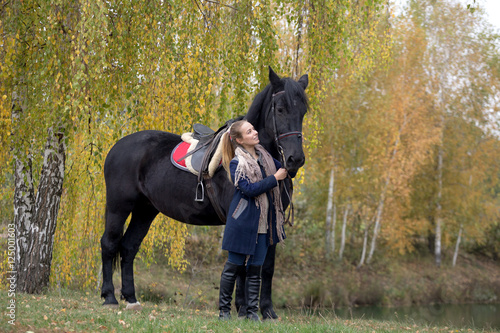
(277,138)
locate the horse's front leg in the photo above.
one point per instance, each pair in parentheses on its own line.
(266,302)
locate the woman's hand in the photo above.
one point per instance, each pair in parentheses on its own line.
(280,174)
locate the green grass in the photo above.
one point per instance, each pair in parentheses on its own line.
(75,311)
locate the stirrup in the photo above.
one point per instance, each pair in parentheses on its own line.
(200,184)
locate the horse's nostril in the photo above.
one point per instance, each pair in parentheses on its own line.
(292,161)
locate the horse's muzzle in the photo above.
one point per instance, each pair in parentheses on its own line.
(293,164)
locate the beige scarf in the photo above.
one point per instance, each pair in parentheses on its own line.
(249,169)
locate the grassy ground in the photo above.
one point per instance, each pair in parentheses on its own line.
(306,293)
(69,311)
(328,285)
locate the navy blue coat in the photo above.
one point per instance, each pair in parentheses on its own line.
(242,223)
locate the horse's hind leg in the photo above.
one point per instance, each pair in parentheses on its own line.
(142,216)
(110,245)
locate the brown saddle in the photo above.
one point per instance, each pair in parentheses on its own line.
(188,155)
(205,160)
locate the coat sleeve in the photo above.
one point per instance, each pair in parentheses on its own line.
(252,189)
(277,164)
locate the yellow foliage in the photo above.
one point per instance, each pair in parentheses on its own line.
(122,67)
(142,79)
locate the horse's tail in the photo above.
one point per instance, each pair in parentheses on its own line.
(116,259)
(116,262)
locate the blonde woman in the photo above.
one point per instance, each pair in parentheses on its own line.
(255,217)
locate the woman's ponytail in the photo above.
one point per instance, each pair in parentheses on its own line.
(227,152)
(229,144)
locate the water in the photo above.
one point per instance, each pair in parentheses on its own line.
(480,316)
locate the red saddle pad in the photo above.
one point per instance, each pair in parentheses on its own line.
(180,151)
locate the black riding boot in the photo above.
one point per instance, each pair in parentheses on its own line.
(252,289)
(227,279)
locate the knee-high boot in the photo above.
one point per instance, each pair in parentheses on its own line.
(227,279)
(252,289)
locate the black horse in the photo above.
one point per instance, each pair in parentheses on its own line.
(140,179)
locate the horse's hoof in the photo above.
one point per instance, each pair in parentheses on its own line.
(269,315)
(110,306)
(134,306)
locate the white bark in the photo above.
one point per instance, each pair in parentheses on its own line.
(378,218)
(457,245)
(328,223)
(36,219)
(363,253)
(344,225)
(439,220)
(24,206)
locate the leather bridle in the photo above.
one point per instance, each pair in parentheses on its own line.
(277,138)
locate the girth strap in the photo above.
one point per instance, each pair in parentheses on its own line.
(212,195)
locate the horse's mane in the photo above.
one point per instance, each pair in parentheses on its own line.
(292,89)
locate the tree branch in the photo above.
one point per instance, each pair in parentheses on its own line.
(216,2)
(201,11)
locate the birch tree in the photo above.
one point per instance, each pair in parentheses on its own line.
(31,35)
(331,216)
(453,43)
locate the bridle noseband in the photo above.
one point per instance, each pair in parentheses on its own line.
(278,137)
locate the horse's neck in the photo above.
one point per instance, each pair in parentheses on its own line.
(266,138)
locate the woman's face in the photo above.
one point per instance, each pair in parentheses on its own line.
(249,136)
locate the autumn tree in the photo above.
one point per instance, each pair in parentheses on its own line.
(36,75)
(462,83)
(82,74)
(91,72)
(382,134)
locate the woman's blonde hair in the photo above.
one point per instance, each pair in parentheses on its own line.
(229,144)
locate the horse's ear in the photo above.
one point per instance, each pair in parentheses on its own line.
(275,80)
(304,81)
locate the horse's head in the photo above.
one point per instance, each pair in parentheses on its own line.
(277,113)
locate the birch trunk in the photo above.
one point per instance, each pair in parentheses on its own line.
(328,222)
(363,253)
(439,220)
(344,225)
(24,208)
(457,245)
(35,220)
(378,219)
